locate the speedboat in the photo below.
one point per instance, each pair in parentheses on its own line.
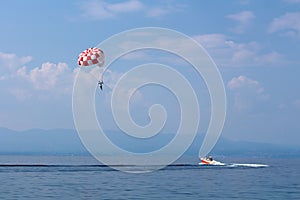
(209,161)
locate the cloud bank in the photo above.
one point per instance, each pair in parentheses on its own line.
(102,10)
(287,25)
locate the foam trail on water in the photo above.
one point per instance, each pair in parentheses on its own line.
(248,165)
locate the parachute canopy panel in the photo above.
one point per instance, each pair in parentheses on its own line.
(91,56)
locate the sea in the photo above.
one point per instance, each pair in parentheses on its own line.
(83,177)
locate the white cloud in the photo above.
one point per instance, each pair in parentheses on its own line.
(227,52)
(287,24)
(9,62)
(24,83)
(243,20)
(242,17)
(242,82)
(247,94)
(164,9)
(49,76)
(98,9)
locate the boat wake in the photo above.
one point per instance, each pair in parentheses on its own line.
(247,165)
(209,161)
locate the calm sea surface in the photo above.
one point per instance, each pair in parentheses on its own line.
(75,177)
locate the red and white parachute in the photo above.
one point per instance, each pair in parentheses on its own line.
(91,56)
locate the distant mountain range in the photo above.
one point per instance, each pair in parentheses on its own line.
(39,141)
(67,141)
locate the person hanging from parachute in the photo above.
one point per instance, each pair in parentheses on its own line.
(92,56)
(100,83)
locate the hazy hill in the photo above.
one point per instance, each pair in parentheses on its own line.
(39,141)
(67,141)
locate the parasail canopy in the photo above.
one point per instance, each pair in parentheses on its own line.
(91,56)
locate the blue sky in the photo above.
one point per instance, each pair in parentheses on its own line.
(255,45)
